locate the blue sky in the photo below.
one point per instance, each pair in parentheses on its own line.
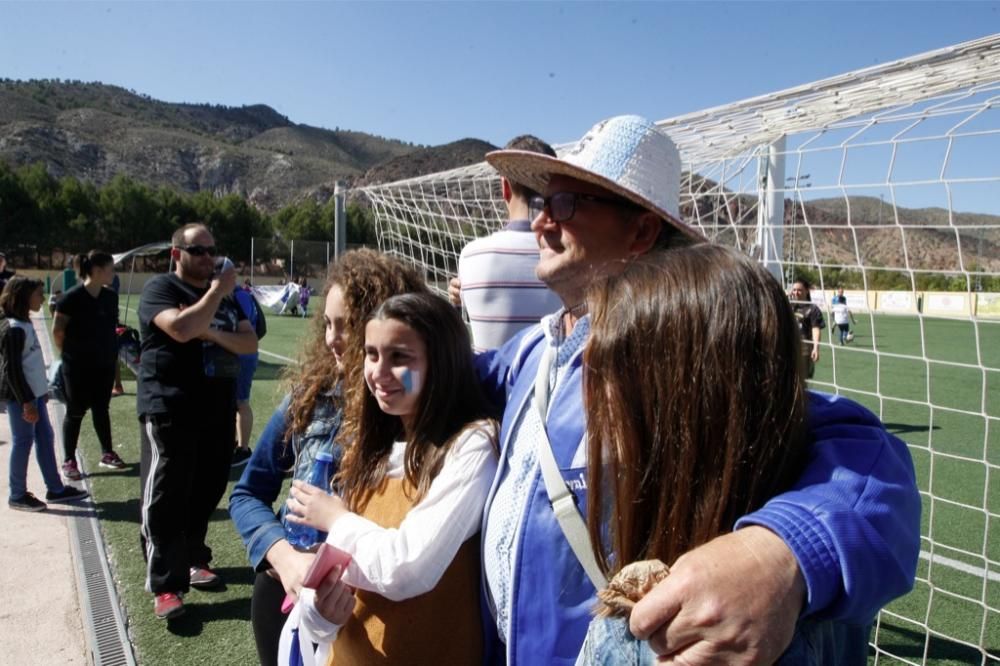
(437,72)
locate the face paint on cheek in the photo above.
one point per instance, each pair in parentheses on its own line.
(410,379)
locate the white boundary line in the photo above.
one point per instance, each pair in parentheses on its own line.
(283,358)
(960,566)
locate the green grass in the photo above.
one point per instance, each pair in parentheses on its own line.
(946,405)
(949,414)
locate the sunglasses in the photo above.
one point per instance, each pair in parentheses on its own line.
(199,250)
(562,205)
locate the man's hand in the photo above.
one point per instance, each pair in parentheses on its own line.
(225,281)
(734,600)
(29,412)
(309,505)
(455,292)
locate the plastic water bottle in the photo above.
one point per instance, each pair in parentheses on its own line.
(304,536)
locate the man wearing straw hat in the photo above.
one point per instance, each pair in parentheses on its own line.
(839,545)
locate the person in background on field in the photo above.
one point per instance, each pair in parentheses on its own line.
(843,318)
(304,293)
(842,543)
(839,297)
(25,388)
(810,321)
(306,423)
(117,389)
(496,273)
(671,479)
(411,487)
(248,366)
(192,332)
(83,330)
(5,272)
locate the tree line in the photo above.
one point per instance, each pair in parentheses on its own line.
(43,218)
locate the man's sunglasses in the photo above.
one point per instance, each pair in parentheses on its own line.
(199,250)
(562,205)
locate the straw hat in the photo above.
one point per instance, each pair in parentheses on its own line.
(626,155)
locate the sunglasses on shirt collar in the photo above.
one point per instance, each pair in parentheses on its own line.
(199,250)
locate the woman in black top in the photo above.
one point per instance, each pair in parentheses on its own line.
(84,330)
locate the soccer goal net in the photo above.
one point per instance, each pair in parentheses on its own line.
(885,183)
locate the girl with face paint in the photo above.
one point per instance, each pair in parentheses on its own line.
(412,485)
(328,375)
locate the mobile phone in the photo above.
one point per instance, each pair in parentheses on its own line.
(221,264)
(327,557)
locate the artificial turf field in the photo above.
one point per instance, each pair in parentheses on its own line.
(945,620)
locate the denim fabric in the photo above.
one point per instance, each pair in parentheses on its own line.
(609,643)
(253,497)
(24,435)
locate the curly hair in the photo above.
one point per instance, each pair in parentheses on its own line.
(367,278)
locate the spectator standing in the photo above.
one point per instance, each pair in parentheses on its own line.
(839,297)
(655,442)
(810,321)
(24,388)
(499,288)
(609,199)
(83,329)
(248,366)
(191,331)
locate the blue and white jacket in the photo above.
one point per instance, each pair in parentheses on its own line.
(852,520)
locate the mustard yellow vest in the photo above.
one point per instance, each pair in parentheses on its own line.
(439,627)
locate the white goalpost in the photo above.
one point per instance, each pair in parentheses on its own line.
(883,182)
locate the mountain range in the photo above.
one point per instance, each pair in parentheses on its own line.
(94,131)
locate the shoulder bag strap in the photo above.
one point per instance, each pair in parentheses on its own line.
(561,498)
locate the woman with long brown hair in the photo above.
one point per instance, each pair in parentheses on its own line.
(696,417)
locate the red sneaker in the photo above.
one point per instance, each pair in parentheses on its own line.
(168,605)
(203,578)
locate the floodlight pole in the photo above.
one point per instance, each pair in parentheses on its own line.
(771,208)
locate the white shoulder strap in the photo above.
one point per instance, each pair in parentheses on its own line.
(560,496)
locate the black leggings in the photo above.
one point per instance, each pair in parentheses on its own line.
(266,617)
(87,388)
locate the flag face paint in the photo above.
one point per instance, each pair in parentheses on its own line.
(410,379)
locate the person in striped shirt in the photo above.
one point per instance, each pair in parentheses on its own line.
(499,288)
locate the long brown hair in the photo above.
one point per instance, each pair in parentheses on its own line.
(696,406)
(367,278)
(450,400)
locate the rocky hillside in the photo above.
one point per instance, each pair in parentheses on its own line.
(95,131)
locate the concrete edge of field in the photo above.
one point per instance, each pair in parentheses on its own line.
(60,603)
